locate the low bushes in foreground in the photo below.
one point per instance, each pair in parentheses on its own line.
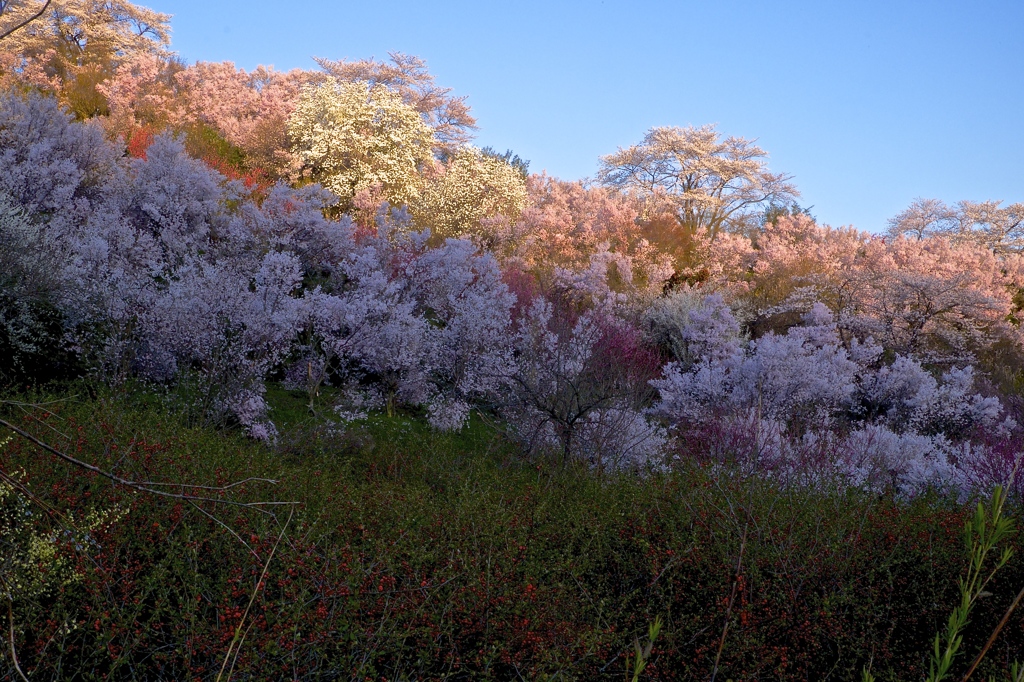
(419,555)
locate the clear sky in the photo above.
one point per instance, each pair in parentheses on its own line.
(867,104)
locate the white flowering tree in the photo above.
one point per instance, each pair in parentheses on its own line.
(467,188)
(407,75)
(352,137)
(412,324)
(804,404)
(579,389)
(707,182)
(151,271)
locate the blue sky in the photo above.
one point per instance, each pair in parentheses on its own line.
(867,104)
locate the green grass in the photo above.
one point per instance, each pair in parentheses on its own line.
(420,555)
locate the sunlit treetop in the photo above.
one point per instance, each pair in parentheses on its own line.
(68,47)
(470,186)
(988,223)
(78,29)
(356,136)
(407,75)
(707,182)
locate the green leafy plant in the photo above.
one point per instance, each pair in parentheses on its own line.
(983,533)
(987,529)
(643,653)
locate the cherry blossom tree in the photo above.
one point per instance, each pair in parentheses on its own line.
(250,109)
(404,323)
(72,28)
(52,169)
(923,218)
(54,178)
(233,120)
(165,293)
(708,183)
(564,222)
(31,326)
(931,298)
(579,389)
(764,274)
(142,92)
(16,18)
(986,223)
(584,241)
(805,406)
(801,375)
(139,247)
(692,326)
(74,45)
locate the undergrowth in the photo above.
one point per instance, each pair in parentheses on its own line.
(416,555)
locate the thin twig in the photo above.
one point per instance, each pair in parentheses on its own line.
(732,600)
(25,492)
(225,527)
(995,633)
(238,649)
(219,488)
(256,590)
(10,620)
(26,23)
(150,487)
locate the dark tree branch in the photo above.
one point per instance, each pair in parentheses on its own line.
(28,21)
(151,487)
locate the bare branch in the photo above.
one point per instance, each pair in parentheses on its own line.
(10,620)
(26,22)
(150,486)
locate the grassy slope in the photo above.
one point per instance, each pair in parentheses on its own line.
(419,555)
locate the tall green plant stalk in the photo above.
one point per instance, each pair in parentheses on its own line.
(982,534)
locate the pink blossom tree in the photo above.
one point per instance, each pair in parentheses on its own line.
(987,223)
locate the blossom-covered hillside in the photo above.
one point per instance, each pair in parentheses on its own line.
(208,238)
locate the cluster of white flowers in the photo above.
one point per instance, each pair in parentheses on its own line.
(470,187)
(353,136)
(160,268)
(806,404)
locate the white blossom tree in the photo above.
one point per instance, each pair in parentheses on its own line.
(447,115)
(806,406)
(579,389)
(414,325)
(467,188)
(707,183)
(352,137)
